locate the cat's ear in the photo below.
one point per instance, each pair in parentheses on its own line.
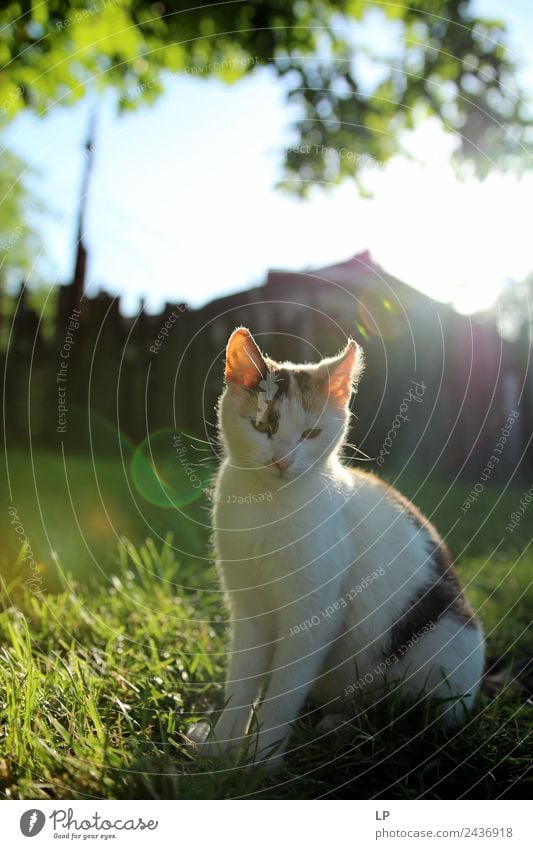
(343,373)
(245,365)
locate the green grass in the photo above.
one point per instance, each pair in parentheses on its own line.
(123,647)
(78,508)
(97,686)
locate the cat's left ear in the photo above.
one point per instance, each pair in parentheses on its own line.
(343,373)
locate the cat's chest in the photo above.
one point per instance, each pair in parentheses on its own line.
(266,529)
(298,533)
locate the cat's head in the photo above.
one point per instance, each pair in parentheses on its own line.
(284,418)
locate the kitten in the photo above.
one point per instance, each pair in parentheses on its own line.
(336,584)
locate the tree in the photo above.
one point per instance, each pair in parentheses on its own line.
(20,245)
(449,63)
(513,310)
(19,209)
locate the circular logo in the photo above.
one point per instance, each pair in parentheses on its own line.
(32,822)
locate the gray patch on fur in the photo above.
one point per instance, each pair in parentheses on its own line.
(431,603)
(304,381)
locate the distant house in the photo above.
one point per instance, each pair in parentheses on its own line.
(472,378)
(357,289)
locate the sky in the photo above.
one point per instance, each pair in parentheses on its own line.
(183,205)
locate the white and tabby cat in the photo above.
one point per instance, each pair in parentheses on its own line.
(334,584)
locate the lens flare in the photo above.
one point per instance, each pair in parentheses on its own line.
(379,316)
(171,468)
(361,330)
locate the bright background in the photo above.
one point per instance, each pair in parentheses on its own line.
(183,204)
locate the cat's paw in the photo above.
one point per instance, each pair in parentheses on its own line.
(331,722)
(201,739)
(197,735)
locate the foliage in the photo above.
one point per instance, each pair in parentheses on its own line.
(354,96)
(19,210)
(513,310)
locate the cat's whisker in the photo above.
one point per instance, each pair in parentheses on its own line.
(197,465)
(197,439)
(361,453)
(353,456)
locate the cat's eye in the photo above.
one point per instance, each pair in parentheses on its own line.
(312,433)
(262,425)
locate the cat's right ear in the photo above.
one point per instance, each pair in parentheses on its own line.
(342,373)
(245,366)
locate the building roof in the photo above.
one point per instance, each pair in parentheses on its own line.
(355,275)
(357,271)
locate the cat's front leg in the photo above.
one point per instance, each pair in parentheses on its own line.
(297,662)
(249,660)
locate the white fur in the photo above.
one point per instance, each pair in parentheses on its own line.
(309,549)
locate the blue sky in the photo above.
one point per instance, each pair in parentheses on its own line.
(183,205)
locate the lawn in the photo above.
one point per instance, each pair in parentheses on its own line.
(103,670)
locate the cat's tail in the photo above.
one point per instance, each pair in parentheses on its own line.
(499,675)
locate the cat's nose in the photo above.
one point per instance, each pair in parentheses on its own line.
(282,464)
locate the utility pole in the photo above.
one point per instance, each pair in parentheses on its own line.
(71,296)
